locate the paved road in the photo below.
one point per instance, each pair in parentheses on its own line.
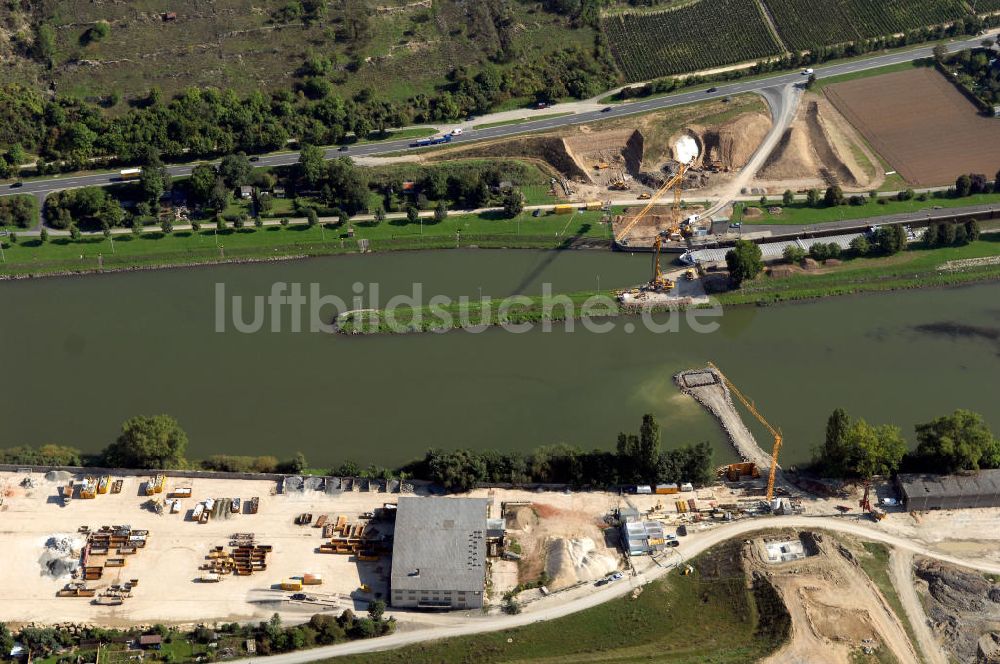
(46,186)
(589,597)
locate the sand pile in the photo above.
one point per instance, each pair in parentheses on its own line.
(58,476)
(61,556)
(313,483)
(686,149)
(570,561)
(522,518)
(292,484)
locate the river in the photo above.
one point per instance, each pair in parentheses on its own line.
(80,355)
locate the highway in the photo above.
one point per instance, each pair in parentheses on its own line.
(581,113)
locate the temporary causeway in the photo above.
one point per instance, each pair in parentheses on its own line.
(708,389)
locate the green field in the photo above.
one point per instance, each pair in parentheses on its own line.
(696,36)
(152,249)
(800,213)
(708,617)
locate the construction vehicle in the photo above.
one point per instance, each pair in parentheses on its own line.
(767,425)
(618,182)
(659,281)
(645,196)
(104,484)
(600,166)
(88,489)
(674,183)
(690,274)
(866,505)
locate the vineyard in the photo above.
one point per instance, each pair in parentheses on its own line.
(703,35)
(805,24)
(714,33)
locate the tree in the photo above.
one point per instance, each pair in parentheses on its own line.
(513,202)
(6,640)
(744,262)
(136,226)
(860,246)
(312,217)
(961,235)
(310,166)
(819,251)
(834,196)
(812,197)
(195,225)
(235,170)
(793,253)
(202,182)
(152,442)
(43,235)
(963,186)
(379,214)
(960,441)
(440,211)
(854,448)
(412,214)
(112,214)
(811,82)
(283,222)
(972,230)
(940,52)
(220,197)
(167,227)
(16,155)
(787,198)
(74,232)
(890,239)
(153,182)
(376,610)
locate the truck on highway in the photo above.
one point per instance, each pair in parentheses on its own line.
(130,173)
(435,140)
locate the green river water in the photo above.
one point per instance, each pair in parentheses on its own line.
(80,355)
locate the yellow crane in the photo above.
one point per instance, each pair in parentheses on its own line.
(672,183)
(767,425)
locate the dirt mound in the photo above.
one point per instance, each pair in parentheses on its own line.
(58,476)
(569,561)
(955,588)
(735,141)
(61,555)
(791,158)
(837,171)
(618,150)
(550,149)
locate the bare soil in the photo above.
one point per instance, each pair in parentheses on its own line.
(835,608)
(924,127)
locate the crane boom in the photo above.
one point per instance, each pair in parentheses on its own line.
(667,186)
(767,425)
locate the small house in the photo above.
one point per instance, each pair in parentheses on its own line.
(279,192)
(246,192)
(409,188)
(150,641)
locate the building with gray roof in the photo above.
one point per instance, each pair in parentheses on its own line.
(946,492)
(439,553)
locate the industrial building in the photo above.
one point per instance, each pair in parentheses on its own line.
(439,553)
(943,492)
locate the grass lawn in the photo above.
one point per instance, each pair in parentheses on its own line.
(800,213)
(914,268)
(61,254)
(876,566)
(706,617)
(533,118)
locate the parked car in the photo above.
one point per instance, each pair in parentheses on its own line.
(615,577)
(712,89)
(605,109)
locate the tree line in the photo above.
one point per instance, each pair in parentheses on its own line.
(853,448)
(636,459)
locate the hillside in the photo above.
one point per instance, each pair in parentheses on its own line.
(393,48)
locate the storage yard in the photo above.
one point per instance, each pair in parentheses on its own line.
(170,566)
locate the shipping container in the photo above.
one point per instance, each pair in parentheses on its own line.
(312,579)
(291,584)
(667,488)
(593,205)
(564,209)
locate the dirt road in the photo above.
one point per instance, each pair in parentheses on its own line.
(901,571)
(588,596)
